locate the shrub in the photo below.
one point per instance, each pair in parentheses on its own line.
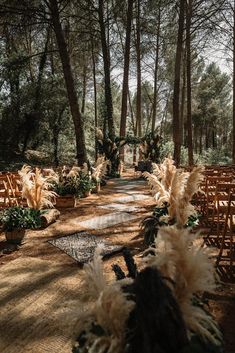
(20,218)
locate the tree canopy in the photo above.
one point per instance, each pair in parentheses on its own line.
(127,67)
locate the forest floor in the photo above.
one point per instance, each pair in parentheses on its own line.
(41,286)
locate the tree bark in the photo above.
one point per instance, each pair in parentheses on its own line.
(84,88)
(56,128)
(95,92)
(32,118)
(107,80)
(176,94)
(200,139)
(125,83)
(233,137)
(138,62)
(182,105)
(69,81)
(189,84)
(154,115)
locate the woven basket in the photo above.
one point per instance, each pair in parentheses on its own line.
(15,236)
(65,201)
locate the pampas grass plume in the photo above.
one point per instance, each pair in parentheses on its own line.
(179,258)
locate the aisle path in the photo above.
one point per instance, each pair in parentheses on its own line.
(40,286)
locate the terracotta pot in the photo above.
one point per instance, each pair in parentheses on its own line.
(65,201)
(96,189)
(87,193)
(15,236)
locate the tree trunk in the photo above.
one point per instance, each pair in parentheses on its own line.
(32,118)
(206,136)
(69,81)
(138,58)
(125,82)
(189,84)
(200,139)
(84,88)
(176,94)
(233,83)
(154,115)
(56,128)
(182,118)
(107,80)
(95,92)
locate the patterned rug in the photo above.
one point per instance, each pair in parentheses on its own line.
(81,246)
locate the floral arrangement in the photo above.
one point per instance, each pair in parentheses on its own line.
(36,188)
(172,190)
(156,309)
(17,217)
(74,181)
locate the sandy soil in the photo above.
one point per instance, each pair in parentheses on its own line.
(40,286)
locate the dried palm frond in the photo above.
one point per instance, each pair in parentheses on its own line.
(36,188)
(179,258)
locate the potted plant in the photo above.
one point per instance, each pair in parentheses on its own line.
(86,185)
(67,190)
(96,188)
(15,220)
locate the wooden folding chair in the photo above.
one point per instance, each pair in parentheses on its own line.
(221,200)
(228,233)
(210,191)
(4,192)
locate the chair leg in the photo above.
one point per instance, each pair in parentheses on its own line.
(222,244)
(231,249)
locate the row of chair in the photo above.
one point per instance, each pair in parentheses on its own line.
(10,190)
(216,202)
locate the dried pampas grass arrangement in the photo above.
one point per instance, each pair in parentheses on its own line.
(36,188)
(187,264)
(176,187)
(168,171)
(107,312)
(183,208)
(157,189)
(100,168)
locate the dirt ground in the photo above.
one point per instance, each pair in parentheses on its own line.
(40,286)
